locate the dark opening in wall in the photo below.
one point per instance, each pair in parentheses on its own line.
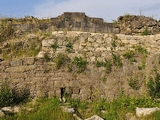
(62,94)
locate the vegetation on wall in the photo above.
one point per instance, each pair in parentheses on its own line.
(107,64)
(69,47)
(61,59)
(80,63)
(154,86)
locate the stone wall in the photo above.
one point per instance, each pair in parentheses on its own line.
(42,77)
(76,21)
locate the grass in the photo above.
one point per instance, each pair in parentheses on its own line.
(44,109)
(116,109)
(49,109)
(129,54)
(20,51)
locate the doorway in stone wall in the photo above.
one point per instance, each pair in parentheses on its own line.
(62,92)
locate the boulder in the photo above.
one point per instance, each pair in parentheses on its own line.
(28,61)
(95,117)
(145,111)
(10,110)
(15,63)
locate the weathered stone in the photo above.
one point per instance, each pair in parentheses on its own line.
(20,69)
(28,61)
(67,109)
(5,63)
(76,90)
(39,61)
(8,110)
(145,111)
(95,117)
(48,43)
(75,96)
(15,63)
(31,36)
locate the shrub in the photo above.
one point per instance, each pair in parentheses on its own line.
(129,54)
(126,17)
(6,97)
(60,60)
(107,64)
(142,66)
(69,47)
(20,95)
(6,32)
(134,83)
(141,50)
(55,45)
(80,63)
(153,86)
(117,60)
(145,32)
(13,96)
(113,44)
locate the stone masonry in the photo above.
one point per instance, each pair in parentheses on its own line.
(43,79)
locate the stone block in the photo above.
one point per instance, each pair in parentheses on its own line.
(41,54)
(90,39)
(39,61)
(15,63)
(20,69)
(145,111)
(28,61)
(76,90)
(75,96)
(48,43)
(5,63)
(58,84)
(58,93)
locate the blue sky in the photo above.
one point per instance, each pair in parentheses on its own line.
(107,9)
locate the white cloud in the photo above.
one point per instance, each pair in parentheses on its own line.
(109,10)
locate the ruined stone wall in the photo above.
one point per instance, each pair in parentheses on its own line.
(77,21)
(42,77)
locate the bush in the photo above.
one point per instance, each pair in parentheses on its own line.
(69,47)
(117,60)
(55,45)
(141,50)
(6,97)
(13,96)
(134,83)
(80,63)
(145,32)
(129,54)
(107,64)
(6,32)
(154,86)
